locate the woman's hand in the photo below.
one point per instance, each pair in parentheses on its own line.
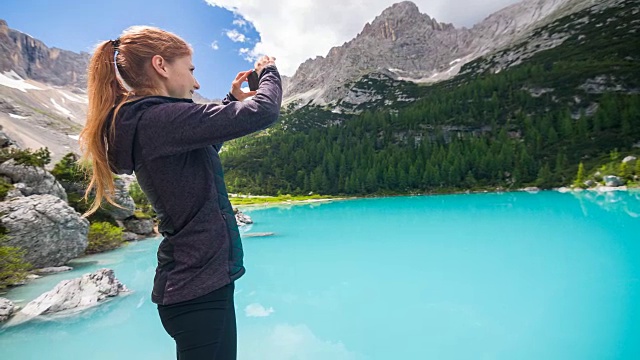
(236,86)
(264,62)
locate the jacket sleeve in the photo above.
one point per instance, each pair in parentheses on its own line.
(228,99)
(173,128)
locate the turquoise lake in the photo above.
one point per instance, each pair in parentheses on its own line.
(481,276)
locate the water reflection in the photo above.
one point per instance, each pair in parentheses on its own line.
(627,202)
(257,310)
(288,342)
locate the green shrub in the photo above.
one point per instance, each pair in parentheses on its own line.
(40,157)
(103,236)
(68,170)
(4,188)
(77,202)
(140,215)
(13,268)
(143,206)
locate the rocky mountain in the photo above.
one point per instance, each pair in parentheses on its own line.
(560,99)
(42,98)
(31,59)
(43,101)
(404,44)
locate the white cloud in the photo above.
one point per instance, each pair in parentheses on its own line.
(239,23)
(296,30)
(236,36)
(248,54)
(214,45)
(257,310)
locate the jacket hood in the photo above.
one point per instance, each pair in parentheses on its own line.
(121,147)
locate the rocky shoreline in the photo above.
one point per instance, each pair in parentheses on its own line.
(66,298)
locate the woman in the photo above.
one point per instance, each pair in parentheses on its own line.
(172,145)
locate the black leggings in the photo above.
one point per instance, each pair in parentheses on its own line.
(204,328)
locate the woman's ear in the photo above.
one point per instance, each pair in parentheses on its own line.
(159,65)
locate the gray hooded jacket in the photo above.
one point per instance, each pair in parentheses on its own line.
(172,146)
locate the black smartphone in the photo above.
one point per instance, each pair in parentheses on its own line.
(253,80)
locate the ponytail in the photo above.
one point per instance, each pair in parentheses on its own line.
(104,92)
(135,48)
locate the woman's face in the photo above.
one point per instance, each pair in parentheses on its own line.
(180,82)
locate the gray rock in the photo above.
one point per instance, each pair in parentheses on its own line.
(531,189)
(32,180)
(589,183)
(139,226)
(243,219)
(14,193)
(123,199)
(50,231)
(76,294)
(6,309)
(53,270)
(613,181)
(629,159)
(33,277)
(129,236)
(5,140)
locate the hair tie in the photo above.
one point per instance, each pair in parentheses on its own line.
(115,43)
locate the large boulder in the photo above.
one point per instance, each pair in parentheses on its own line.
(75,294)
(6,309)
(50,231)
(613,181)
(139,226)
(123,199)
(242,218)
(32,180)
(629,159)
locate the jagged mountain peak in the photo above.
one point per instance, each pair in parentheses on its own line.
(400,42)
(401,18)
(403,8)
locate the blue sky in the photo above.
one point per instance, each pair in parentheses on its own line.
(78,25)
(291,30)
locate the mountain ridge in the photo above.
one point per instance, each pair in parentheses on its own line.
(415,47)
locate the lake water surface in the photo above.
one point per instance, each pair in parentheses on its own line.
(485,276)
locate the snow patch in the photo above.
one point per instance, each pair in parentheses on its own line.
(74,98)
(74,137)
(17,116)
(61,108)
(13,80)
(305,96)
